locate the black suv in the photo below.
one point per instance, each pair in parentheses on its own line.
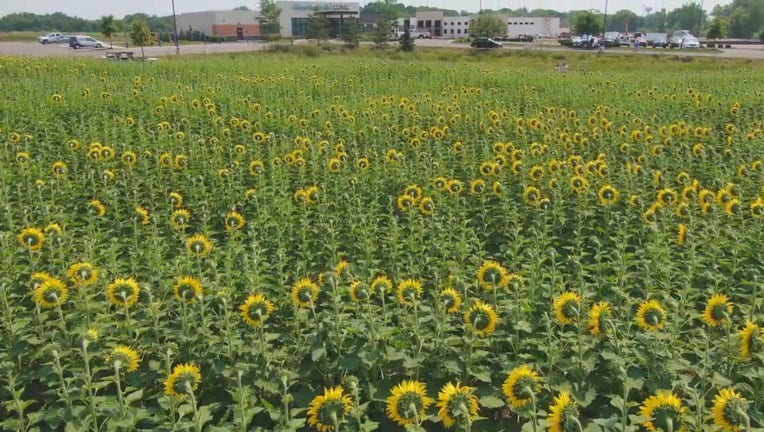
(484,42)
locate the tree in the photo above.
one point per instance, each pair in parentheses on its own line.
(382,32)
(108,27)
(270,14)
(350,32)
(761,35)
(623,21)
(318,27)
(140,34)
(717,29)
(488,24)
(241,8)
(587,23)
(406,43)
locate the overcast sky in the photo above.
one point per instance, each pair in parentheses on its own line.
(93,9)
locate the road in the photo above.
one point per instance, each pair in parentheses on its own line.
(35,49)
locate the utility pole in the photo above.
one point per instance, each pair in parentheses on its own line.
(700,18)
(175,29)
(604,20)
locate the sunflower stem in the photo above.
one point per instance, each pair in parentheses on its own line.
(197,419)
(534,414)
(64,388)
(18,405)
(241,401)
(118,382)
(89,384)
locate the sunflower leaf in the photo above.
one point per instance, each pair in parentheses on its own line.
(491,402)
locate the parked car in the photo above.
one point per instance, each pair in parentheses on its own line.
(660,41)
(84,41)
(52,38)
(484,42)
(683,39)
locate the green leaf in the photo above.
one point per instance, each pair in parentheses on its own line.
(491,402)
(318,353)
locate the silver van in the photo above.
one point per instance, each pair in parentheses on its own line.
(84,41)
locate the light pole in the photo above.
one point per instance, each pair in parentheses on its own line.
(700,17)
(604,20)
(175,28)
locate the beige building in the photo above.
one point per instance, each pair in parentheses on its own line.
(236,24)
(294,15)
(459,26)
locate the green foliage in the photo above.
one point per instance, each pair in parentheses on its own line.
(717,29)
(350,32)
(488,24)
(108,27)
(587,23)
(140,34)
(406,43)
(270,15)
(318,27)
(623,21)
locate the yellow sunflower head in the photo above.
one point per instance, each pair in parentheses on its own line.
(651,315)
(51,293)
(234,221)
(409,291)
(452,300)
(359,291)
(381,285)
(491,275)
(180,219)
(326,412)
(599,315)
(567,307)
(729,411)
(32,238)
(457,404)
(751,340)
(718,310)
(305,293)
(123,292)
(184,379)
(663,412)
(256,310)
(481,319)
(187,288)
(608,195)
(82,273)
(563,414)
(198,245)
(407,405)
(124,359)
(521,385)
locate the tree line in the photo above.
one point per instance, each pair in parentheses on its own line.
(739,19)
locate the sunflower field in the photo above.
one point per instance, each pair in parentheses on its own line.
(356,242)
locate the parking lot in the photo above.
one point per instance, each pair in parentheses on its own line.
(35,49)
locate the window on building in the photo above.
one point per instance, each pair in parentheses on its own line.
(299,26)
(419,24)
(428,24)
(458,31)
(437,24)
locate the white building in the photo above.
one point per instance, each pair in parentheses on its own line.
(231,23)
(459,26)
(533,26)
(294,15)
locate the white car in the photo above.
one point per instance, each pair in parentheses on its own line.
(690,42)
(52,38)
(85,41)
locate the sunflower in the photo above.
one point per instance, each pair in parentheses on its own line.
(663,412)
(567,307)
(327,411)
(32,238)
(608,195)
(305,293)
(98,207)
(124,358)
(563,415)
(37,279)
(733,207)
(454,186)
(481,319)
(184,379)
(405,203)
(342,267)
(457,404)
(82,273)
(359,291)
(409,290)
(414,191)
(176,200)
(427,206)
(729,411)
(751,340)
(492,275)
(311,194)
(256,310)
(440,183)
(234,221)
(123,292)
(408,403)
(477,186)
(599,314)
(199,245)
(718,310)
(180,218)
(51,293)
(187,288)
(143,215)
(667,197)
(452,300)
(578,183)
(651,316)
(532,195)
(520,386)
(381,284)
